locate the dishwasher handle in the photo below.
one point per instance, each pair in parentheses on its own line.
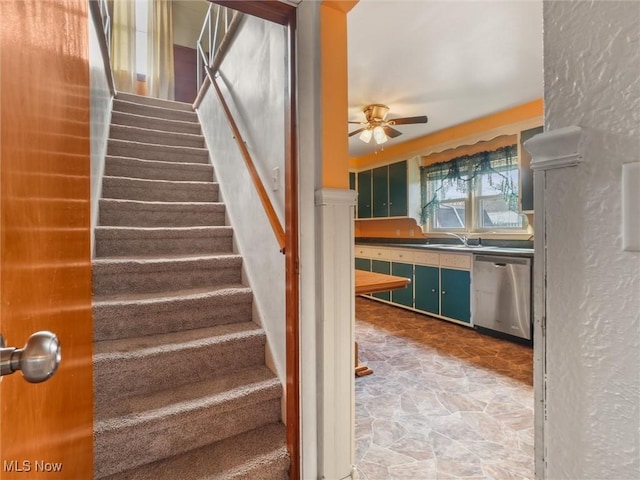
(500,261)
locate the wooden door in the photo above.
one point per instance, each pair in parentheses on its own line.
(45,261)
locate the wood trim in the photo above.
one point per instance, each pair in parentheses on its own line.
(278,231)
(292,260)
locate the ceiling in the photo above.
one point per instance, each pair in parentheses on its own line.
(453,61)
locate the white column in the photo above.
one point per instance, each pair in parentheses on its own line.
(336,390)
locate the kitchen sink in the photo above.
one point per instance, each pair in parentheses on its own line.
(458,247)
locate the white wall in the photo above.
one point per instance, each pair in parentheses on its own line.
(253,82)
(100,106)
(592,79)
(188,16)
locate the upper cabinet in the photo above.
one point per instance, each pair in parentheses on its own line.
(382,192)
(526,174)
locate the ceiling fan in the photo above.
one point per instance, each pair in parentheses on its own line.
(378,128)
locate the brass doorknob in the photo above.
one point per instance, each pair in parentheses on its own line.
(38,359)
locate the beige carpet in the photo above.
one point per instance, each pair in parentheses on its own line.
(181,387)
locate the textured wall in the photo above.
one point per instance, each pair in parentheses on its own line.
(100,118)
(252,78)
(592,79)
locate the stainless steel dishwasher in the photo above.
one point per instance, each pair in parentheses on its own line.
(502,294)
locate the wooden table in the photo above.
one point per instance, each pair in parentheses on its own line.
(372,282)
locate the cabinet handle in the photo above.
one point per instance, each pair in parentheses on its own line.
(444,292)
(433,290)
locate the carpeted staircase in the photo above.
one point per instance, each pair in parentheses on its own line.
(181,387)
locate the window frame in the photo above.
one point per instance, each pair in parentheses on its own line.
(473,202)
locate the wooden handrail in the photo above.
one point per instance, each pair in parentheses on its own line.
(278,230)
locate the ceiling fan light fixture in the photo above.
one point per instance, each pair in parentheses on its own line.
(366,135)
(379,136)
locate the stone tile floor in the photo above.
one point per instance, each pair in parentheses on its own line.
(444,402)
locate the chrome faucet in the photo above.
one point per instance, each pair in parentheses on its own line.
(462,238)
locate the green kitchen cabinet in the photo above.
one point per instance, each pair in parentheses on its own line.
(526,174)
(363,264)
(380,180)
(427,289)
(398,189)
(352,181)
(403,296)
(364,194)
(382,192)
(380,266)
(455,294)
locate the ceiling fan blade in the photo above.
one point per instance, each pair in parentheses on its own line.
(355,132)
(392,132)
(408,120)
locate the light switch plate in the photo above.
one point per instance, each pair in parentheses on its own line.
(631,207)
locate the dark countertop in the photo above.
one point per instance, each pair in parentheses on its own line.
(485,250)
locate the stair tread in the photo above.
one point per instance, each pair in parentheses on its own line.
(137,260)
(155,146)
(195,136)
(221,229)
(131,411)
(160,163)
(154,181)
(259,453)
(157,110)
(142,99)
(174,341)
(136,118)
(159,203)
(128,298)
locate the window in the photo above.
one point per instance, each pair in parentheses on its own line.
(473,193)
(142,15)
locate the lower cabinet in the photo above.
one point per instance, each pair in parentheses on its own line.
(435,288)
(363,264)
(427,285)
(455,294)
(380,266)
(403,296)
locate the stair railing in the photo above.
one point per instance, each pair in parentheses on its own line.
(219,33)
(101,17)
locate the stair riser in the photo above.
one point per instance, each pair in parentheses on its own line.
(142,278)
(125,189)
(121,148)
(120,118)
(115,247)
(113,321)
(130,449)
(148,372)
(121,214)
(144,169)
(155,102)
(151,111)
(141,135)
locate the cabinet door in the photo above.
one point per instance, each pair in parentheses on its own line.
(364,194)
(381,192)
(380,266)
(363,264)
(427,289)
(398,189)
(403,296)
(526,174)
(455,299)
(352,181)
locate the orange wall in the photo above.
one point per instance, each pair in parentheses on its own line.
(417,146)
(388,228)
(335,142)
